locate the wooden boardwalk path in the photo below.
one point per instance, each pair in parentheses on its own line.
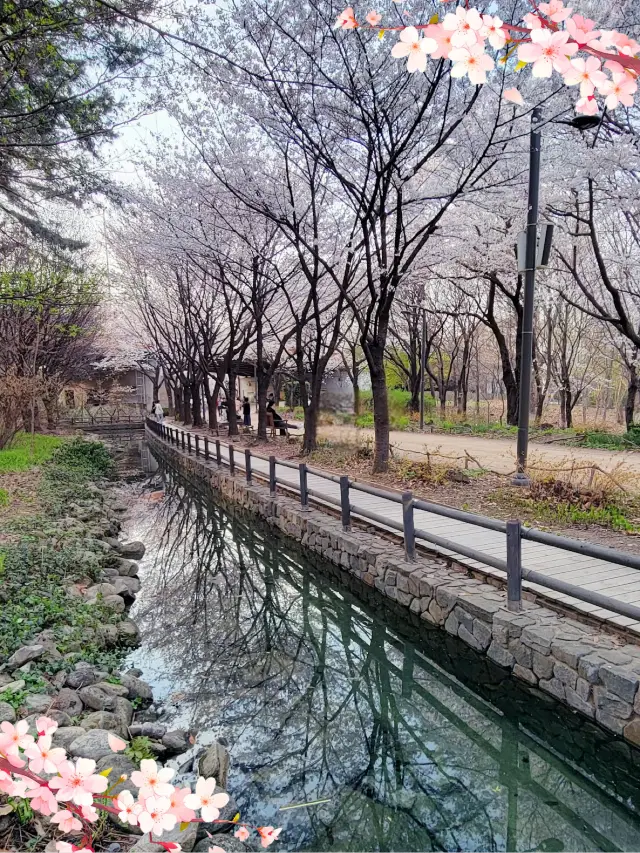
(618,582)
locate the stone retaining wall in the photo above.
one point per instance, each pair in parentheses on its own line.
(596,673)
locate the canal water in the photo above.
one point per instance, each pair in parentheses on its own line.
(400,737)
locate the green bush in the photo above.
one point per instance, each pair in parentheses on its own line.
(88,459)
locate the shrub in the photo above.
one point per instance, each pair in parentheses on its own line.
(88,459)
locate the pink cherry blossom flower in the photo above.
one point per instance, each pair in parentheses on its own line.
(19,788)
(471,61)
(129,809)
(155,816)
(42,799)
(373,18)
(494,31)
(415,48)
(215,849)
(547,51)
(532,21)
(514,96)
(581,29)
(587,106)
(116,744)
(346,20)
(587,73)
(465,26)
(555,10)
(43,758)
(89,813)
(619,90)
(442,38)
(268,834)
(46,726)
(14,738)
(152,780)
(184,814)
(64,847)
(205,800)
(67,822)
(242,833)
(6,782)
(78,782)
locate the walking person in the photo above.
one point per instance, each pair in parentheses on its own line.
(157,411)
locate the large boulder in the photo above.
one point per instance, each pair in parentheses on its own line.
(103,589)
(124,711)
(38,702)
(26,654)
(131,550)
(127,568)
(112,689)
(66,735)
(107,635)
(60,717)
(92,744)
(176,741)
(105,720)
(81,678)
(114,602)
(214,762)
(155,731)
(127,587)
(136,687)
(7,713)
(128,632)
(68,701)
(96,698)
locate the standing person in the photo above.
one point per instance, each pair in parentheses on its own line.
(246,412)
(158,411)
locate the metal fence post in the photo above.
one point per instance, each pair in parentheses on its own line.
(344,503)
(247,464)
(232,461)
(514,566)
(206,447)
(183,442)
(304,489)
(408,526)
(188,442)
(197,445)
(272,476)
(218,452)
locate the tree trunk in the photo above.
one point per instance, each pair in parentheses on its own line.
(196,405)
(186,405)
(356,398)
(632,392)
(231,404)
(262,381)
(50,403)
(170,406)
(380,410)
(311,412)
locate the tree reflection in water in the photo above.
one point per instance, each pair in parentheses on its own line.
(415,742)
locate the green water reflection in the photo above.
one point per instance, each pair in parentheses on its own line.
(414,742)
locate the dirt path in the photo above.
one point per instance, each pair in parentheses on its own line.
(497,454)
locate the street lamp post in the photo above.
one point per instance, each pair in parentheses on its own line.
(423,354)
(526,359)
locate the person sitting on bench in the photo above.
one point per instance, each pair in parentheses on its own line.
(277,418)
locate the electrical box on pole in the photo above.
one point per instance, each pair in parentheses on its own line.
(544,240)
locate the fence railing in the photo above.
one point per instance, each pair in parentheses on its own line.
(513,531)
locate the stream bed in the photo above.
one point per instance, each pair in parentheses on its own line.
(400,739)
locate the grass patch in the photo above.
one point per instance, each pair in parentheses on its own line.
(4,498)
(27,450)
(37,571)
